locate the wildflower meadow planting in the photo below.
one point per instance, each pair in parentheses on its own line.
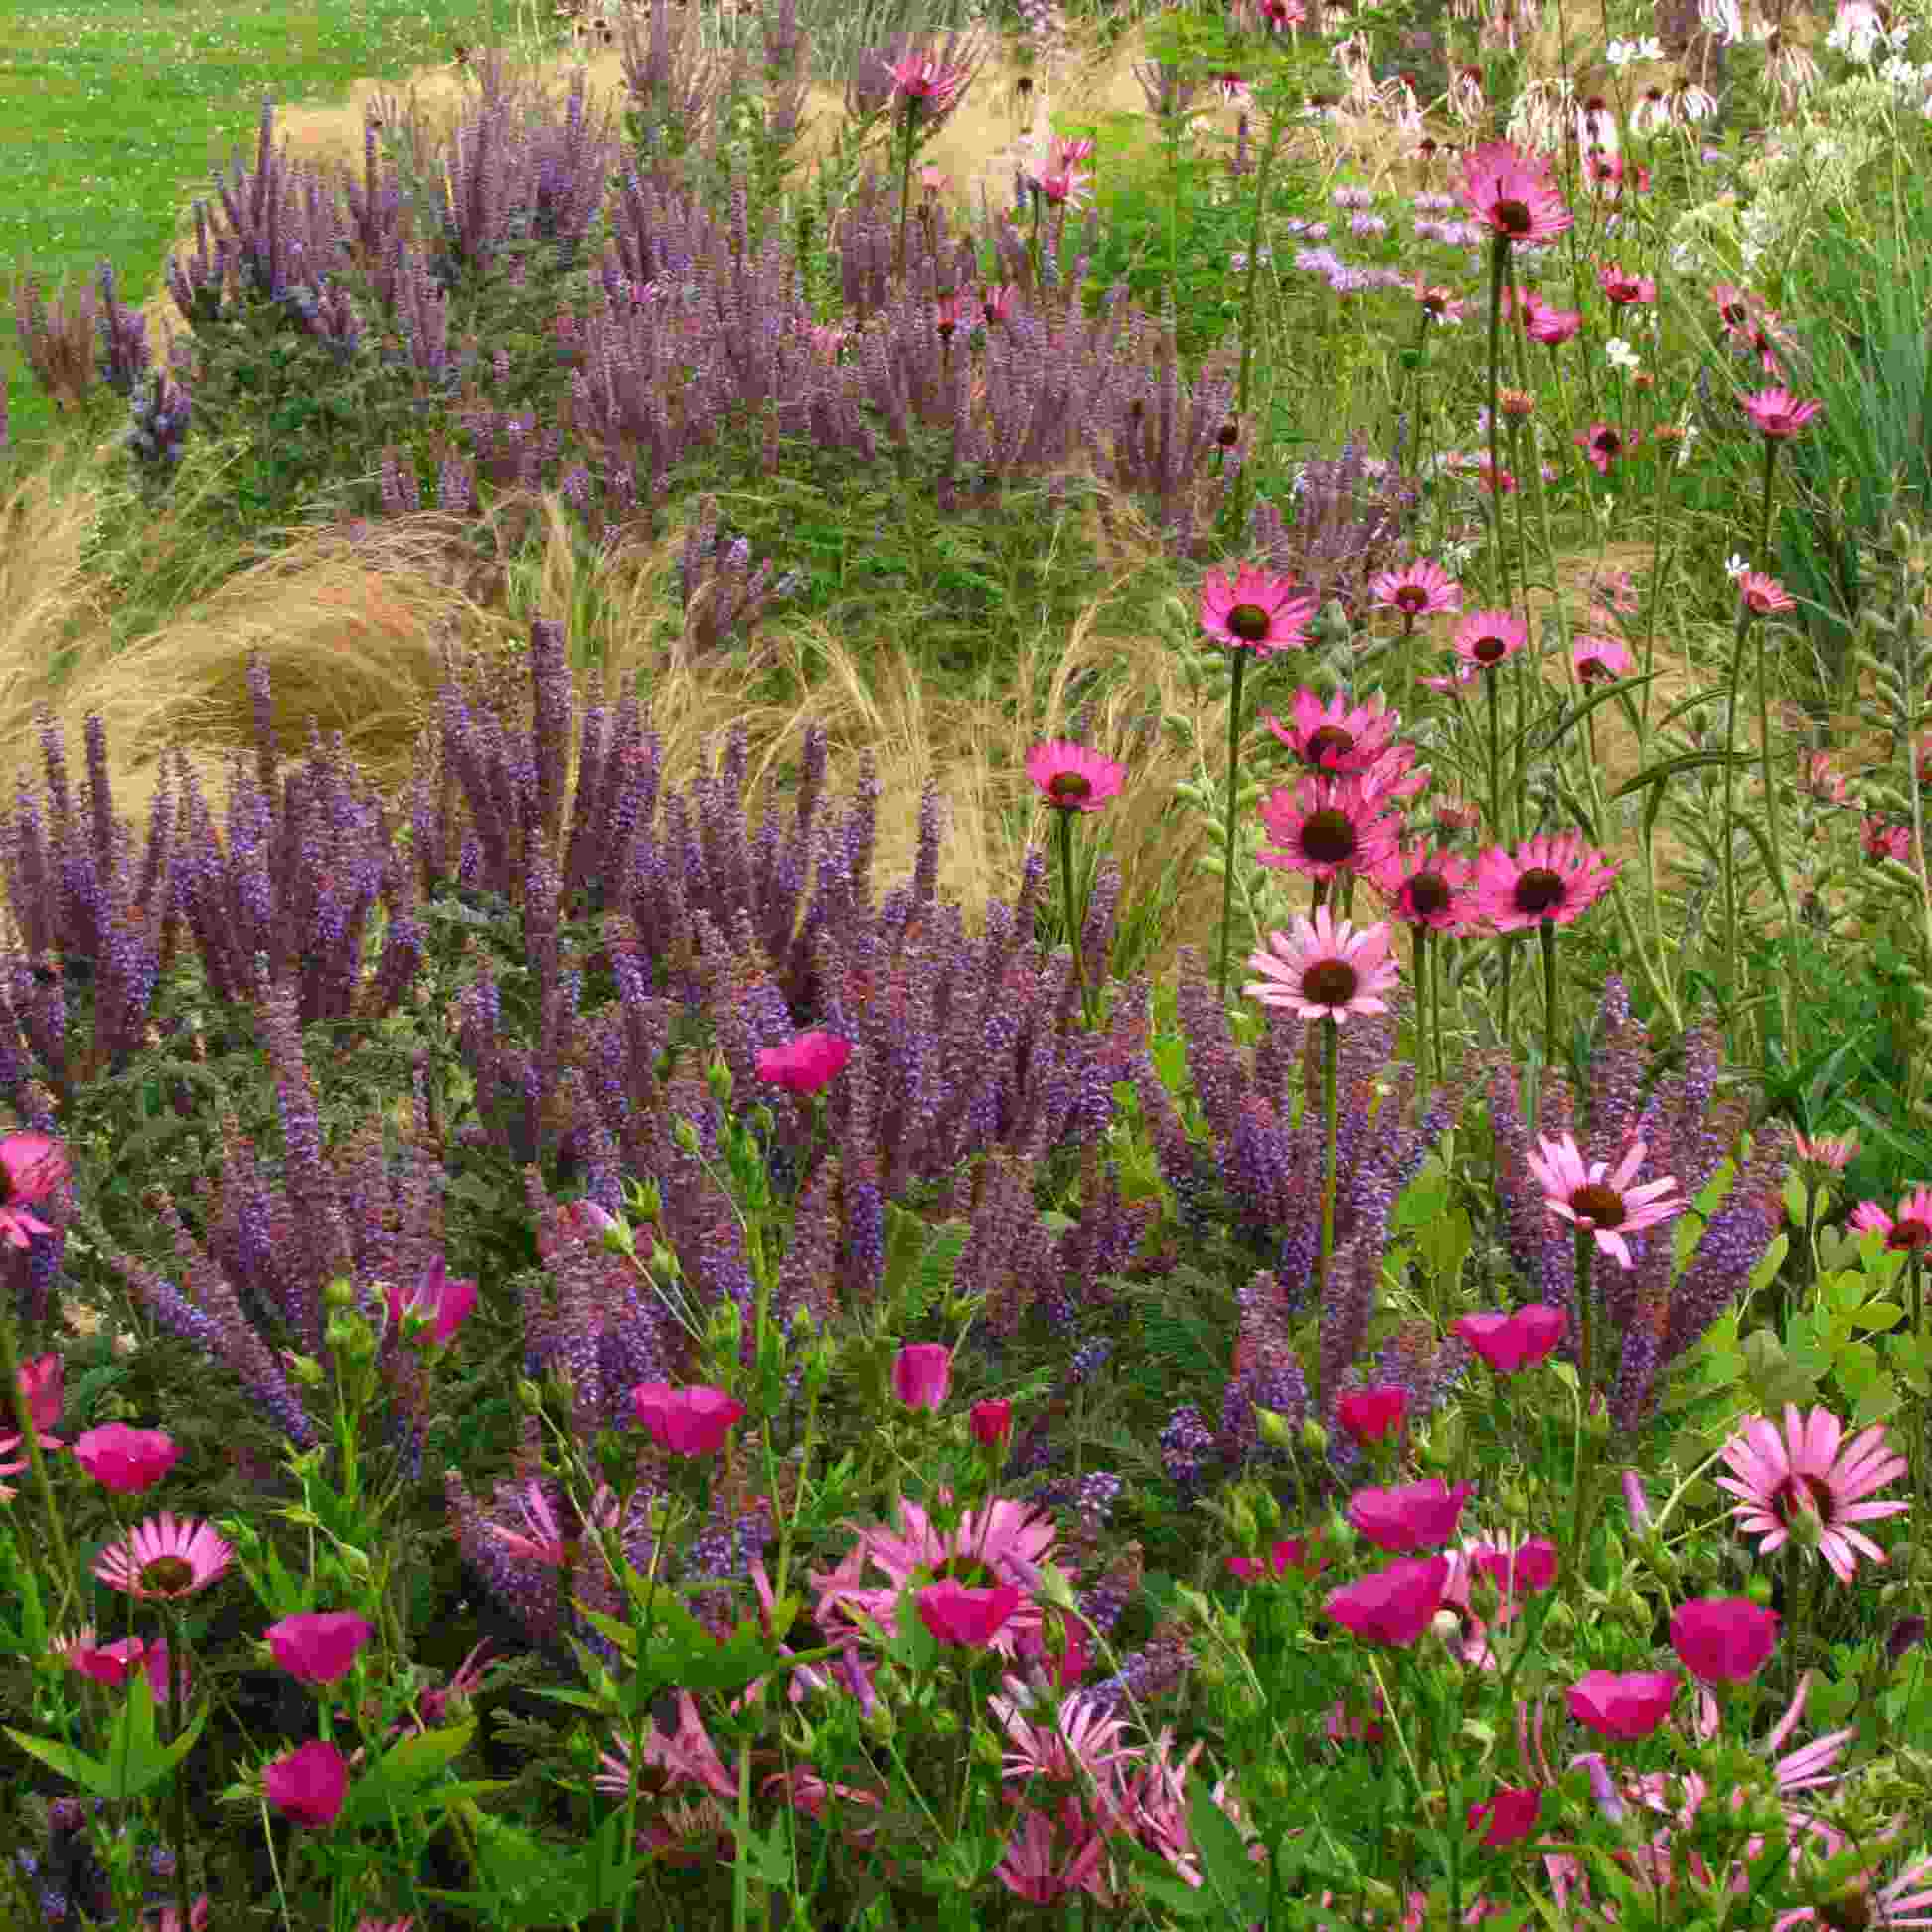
(969,970)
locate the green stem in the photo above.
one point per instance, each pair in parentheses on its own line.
(1499,268)
(906,190)
(1546,933)
(1586,1331)
(1419,965)
(1330,1046)
(1238,667)
(1072,906)
(1248,295)
(177,1720)
(1730,801)
(23,1417)
(1772,826)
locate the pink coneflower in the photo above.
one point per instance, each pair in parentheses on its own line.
(1833,1153)
(1439,304)
(1778,413)
(1597,659)
(1553,327)
(1817,780)
(32,1168)
(1625,290)
(1070,778)
(1884,840)
(1257,611)
(1069,152)
(1912,1229)
(1486,637)
(1422,590)
(1512,193)
(686,1755)
(922,81)
(1765,595)
(1324,826)
(1324,970)
(1603,446)
(546,1543)
(1427,885)
(172,1558)
(1805,1474)
(996,300)
(1599,1201)
(1555,877)
(1337,738)
(1063,187)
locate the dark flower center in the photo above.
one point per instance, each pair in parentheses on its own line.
(1412,598)
(167,1575)
(1789,1499)
(1330,741)
(1329,981)
(1601,1206)
(1513,217)
(1591,669)
(1249,623)
(968,1572)
(1429,893)
(1609,442)
(1329,837)
(1908,1234)
(1490,650)
(1070,786)
(1539,890)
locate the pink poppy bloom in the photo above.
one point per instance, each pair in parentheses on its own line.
(1597,1199)
(126,1461)
(1724,1639)
(1322,970)
(1510,1342)
(1765,595)
(1070,778)
(1419,1515)
(1324,826)
(114,1664)
(1371,1415)
(1512,193)
(806,1061)
(308,1785)
(441,1304)
(1597,659)
(171,1558)
(1556,879)
(1778,413)
(1485,638)
(1508,1817)
(1627,1704)
(320,1645)
(1393,1605)
(1553,327)
(1603,446)
(922,81)
(691,1421)
(1257,611)
(1422,590)
(991,1422)
(1884,840)
(923,1374)
(33,1167)
(1911,1229)
(1522,1569)
(973,1618)
(1624,289)
(1808,1483)
(1427,886)
(1293,1552)
(1337,738)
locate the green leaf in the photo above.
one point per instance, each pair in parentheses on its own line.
(1229,1874)
(1771,1376)
(400,1777)
(135,1760)
(1769,1263)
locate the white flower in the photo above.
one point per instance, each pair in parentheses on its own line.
(1693,103)
(1691,434)
(1722,18)
(1621,52)
(1621,355)
(1735,566)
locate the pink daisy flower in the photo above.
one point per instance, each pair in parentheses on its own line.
(1555,877)
(686,1755)
(171,1558)
(1598,1199)
(1624,289)
(32,1168)
(1325,970)
(1070,778)
(1597,659)
(1257,611)
(1914,1228)
(1335,737)
(1422,590)
(1553,327)
(1778,413)
(1324,826)
(1809,1470)
(1486,637)
(1603,446)
(1513,193)
(1765,595)
(923,79)
(1427,885)
(1835,1154)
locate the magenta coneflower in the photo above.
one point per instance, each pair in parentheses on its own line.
(1486,637)
(1834,1153)
(1070,778)
(1778,413)
(1765,595)
(1553,327)
(1885,840)
(1337,738)
(1597,659)
(1322,969)
(1512,193)
(171,1558)
(1910,1231)
(1625,289)
(922,81)
(1555,877)
(1427,885)
(1422,590)
(1804,1472)
(1439,304)
(1257,611)
(1604,445)
(1599,1201)
(1324,826)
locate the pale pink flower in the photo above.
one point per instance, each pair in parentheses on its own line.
(1598,1199)
(685,1756)
(1765,595)
(1322,970)
(1831,1152)
(546,1543)
(922,80)
(1513,193)
(1070,778)
(1778,413)
(1421,590)
(33,1167)
(170,1559)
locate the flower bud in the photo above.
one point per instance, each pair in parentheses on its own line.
(1272,1429)
(530,1398)
(717,1076)
(1314,1438)
(304,1369)
(339,1294)
(684,1136)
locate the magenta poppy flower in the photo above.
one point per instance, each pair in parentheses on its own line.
(1522,1570)
(1419,1515)
(923,1374)
(308,1785)
(1597,1200)
(1256,611)
(1778,414)
(1512,193)
(971,1618)
(1508,1817)
(114,1664)
(1393,1605)
(126,1461)
(33,1167)
(1369,1414)
(1070,778)
(805,1062)
(320,1645)
(1724,1639)
(991,1422)
(687,1421)
(1627,1704)
(1512,1343)
(438,1300)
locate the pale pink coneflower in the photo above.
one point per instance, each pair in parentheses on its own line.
(1071,778)
(1778,414)
(1514,194)
(1422,590)
(1601,1201)
(1337,738)
(1485,638)
(1597,659)
(1322,969)
(164,1560)
(1555,877)
(1765,595)
(32,1168)
(1257,611)
(1830,1152)
(1326,826)
(922,80)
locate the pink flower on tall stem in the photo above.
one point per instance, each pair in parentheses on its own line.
(1724,1639)
(165,1559)
(1599,1201)
(1778,414)
(1628,1705)
(1553,327)
(1394,1605)
(1324,826)
(1510,1342)
(1508,1817)
(1485,638)
(1603,446)
(33,1167)
(1911,1229)
(307,1786)
(1322,970)
(1556,878)
(1597,659)
(1421,590)
(1373,1414)
(318,1645)
(991,1422)
(691,1421)
(1833,1153)
(1336,739)
(1512,193)
(1419,1515)
(43,1382)
(1071,778)
(126,1461)
(1427,886)
(923,81)
(1807,1480)
(1766,596)
(114,1664)
(923,1374)
(1624,289)
(1257,611)
(805,1062)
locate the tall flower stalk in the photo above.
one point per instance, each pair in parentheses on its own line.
(1072,779)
